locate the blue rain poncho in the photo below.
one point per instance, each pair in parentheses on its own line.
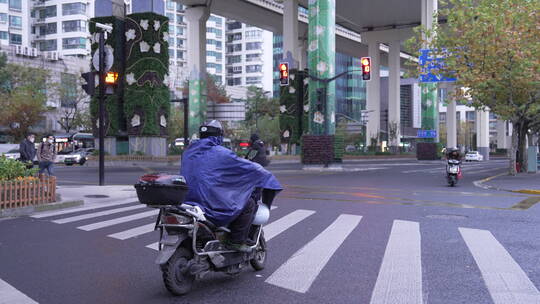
(219,181)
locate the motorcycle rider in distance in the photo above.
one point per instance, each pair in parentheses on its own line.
(453,153)
(222,184)
(256,152)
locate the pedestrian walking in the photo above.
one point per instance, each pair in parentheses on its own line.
(27,150)
(46,156)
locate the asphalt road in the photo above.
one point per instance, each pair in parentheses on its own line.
(379,232)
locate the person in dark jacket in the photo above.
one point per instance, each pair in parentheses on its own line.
(46,156)
(257,152)
(27,150)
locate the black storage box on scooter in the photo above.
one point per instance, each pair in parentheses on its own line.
(161,189)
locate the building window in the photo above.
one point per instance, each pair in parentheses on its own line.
(179,30)
(68,98)
(3,17)
(76,8)
(15,21)
(216,31)
(48,45)
(3,35)
(253,80)
(179,19)
(15,5)
(442,117)
(234,26)
(49,28)
(253,34)
(234,81)
(219,45)
(15,39)
(253,68)
(74,43)
(49,11)
(171,53)
(171,5)
(470,115)
(3,1)
(234,48)
(74,26)
(234,59)
(179,43)
(253,46)
(170,16)
(253,57)
(234,37)
(180,54)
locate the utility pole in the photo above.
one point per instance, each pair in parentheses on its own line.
(101,108)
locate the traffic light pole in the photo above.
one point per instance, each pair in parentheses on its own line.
(101,108)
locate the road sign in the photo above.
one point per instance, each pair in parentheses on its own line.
(427,134)
(109,59)
(429,64)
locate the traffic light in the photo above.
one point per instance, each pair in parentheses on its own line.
(111,79)
(366,68)
(283,74)
(90,84)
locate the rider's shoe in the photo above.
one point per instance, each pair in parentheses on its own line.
(237,246)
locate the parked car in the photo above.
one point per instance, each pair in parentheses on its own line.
(350,148)
(13,154)
(78,156)
(473,156)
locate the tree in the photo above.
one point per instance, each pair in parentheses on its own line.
(262,115)
(23,97)
(215,91)
(74,111)
(492,47)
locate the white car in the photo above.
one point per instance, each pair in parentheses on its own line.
(473,156)
(13,154)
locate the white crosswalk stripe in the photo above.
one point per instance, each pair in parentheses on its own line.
(299,272)
(85,208)
(504,278)
(400,276)
(153,246)
(10,295)
(124,235)
(97,214)
(116,221)
(275,228)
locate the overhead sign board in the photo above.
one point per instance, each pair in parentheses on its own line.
(427,134)
(429,65)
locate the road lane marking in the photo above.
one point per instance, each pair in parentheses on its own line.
(278,226)
(154,246)
(301,270)
(504,278)
(400,276)
(127,234)
(119,220)
(86,208)
(97,214)
(10,295)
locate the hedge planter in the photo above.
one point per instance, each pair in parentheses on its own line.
(26,192)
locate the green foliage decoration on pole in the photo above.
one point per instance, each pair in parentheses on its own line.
(288,113)
(147,96)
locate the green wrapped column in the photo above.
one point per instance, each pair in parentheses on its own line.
(430,109)
(321,62)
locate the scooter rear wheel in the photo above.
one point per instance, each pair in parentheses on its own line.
(259,261)
(176,276)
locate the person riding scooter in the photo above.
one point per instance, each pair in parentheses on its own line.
(221,183)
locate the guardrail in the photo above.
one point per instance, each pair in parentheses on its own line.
(27,192)
(170,158)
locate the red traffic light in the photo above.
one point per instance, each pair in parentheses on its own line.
(244,144)
(283,74)
(366,67)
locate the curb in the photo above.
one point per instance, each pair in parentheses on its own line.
(480,184)
(15,212)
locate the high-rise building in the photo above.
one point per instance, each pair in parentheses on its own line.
(249,56)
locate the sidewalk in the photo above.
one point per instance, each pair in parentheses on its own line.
(528,183)
(91,195)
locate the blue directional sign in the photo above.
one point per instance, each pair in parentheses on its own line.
(429,64)
(427,134)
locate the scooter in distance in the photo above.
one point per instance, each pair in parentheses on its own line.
(453,172)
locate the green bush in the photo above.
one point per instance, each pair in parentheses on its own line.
(11,169)
(96,152)
(175,150)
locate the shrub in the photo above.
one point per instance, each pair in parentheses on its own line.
(11,169)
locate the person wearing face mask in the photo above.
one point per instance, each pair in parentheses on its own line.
(46,155)
(28,150)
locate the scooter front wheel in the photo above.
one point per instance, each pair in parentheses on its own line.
(259,261)
(176,276)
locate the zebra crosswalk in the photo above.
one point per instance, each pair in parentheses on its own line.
(400,276)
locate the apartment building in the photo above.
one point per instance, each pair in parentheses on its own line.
(249,56)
